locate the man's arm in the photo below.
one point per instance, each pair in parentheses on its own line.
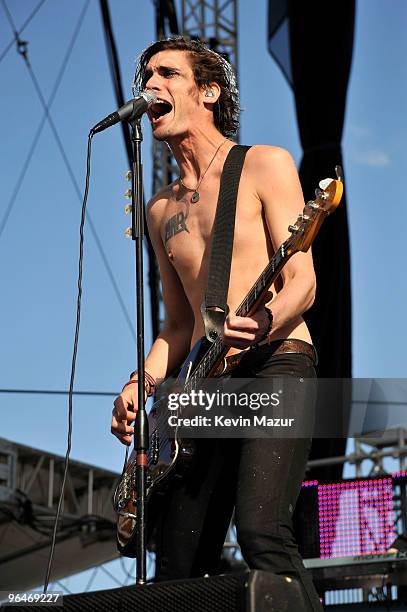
(275,180)
(173,342)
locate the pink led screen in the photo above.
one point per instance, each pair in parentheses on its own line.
(355,518)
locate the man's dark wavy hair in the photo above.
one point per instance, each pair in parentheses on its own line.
(208,67)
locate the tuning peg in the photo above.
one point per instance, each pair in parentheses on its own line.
(293,229)
(339,173)
(319,193)
(129,175)
(324,184)
(127,209)
(311,204)
(127,194)
(303,217)
(128,232)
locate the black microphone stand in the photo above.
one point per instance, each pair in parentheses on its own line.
(141,434)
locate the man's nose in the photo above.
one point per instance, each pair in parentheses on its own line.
(153,82)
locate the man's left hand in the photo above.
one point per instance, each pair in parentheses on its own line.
(242,332)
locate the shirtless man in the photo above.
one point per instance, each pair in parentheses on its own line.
(197,113)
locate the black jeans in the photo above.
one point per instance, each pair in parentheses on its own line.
(260,478)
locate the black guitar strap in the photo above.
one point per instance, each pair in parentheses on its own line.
(214,308)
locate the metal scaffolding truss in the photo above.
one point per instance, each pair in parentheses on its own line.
(215,23)
(30,484)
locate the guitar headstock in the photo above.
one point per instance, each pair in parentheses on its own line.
(327,199)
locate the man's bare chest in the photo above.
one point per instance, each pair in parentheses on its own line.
(186,231)
(187,228)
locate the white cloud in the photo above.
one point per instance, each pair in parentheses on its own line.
(358,131)
(372,157)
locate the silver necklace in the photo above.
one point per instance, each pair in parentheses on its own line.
(195,196)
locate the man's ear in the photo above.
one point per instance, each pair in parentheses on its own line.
(211,93)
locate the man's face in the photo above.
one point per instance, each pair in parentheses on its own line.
(169,74)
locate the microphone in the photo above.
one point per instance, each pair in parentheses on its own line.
(128,112)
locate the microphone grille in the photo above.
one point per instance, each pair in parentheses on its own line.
(149,96)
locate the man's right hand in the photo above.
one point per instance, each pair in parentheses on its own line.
(124,412)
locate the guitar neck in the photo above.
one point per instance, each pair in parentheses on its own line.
(250,303)
(265,280)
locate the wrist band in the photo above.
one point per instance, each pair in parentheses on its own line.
(151,380)
(147,386)
(148,380)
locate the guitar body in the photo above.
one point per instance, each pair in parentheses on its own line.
(169,456)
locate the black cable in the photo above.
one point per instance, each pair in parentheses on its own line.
(63,587)
(11,22)
(51,392)
(25,24)
(115,393)
(23,53)
(91,579)
(73,366)
(21,176)
(127,574)
(110,575)
(42,122)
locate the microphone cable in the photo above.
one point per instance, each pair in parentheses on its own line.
(73,365)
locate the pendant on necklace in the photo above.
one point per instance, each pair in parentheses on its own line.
(195,197)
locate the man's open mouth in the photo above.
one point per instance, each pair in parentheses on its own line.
(159,109)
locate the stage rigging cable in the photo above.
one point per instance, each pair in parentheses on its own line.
(48,105)
(73,179)
(25,24)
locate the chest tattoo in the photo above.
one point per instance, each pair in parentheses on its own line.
(175,225)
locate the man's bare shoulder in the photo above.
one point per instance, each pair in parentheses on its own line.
(273,173)
(274,178)
(268,157)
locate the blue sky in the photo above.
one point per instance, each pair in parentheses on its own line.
(40,242)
